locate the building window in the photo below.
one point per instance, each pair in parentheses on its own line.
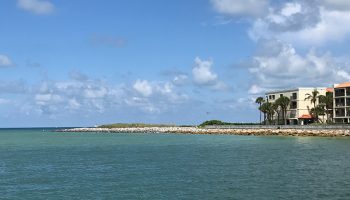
(347,91)
(340,112)
(339,102)
(339,92)
(293,114)
(294,96)
(293,105)
(281,95)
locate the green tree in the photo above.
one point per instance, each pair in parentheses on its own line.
(283,102)
(313,99)
(317,111)
(259,101)
(265,109)
(276,109)
(327,102)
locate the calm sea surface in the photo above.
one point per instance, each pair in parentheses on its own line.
(46,165)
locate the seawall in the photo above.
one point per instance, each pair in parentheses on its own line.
(228,131)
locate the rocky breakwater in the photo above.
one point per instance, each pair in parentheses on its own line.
(231,131)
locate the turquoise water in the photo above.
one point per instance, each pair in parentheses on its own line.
(46,165)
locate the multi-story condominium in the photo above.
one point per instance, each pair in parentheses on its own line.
(341,103)
(298,112)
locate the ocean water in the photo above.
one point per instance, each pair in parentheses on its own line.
(36,164)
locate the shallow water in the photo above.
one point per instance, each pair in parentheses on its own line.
(35,164)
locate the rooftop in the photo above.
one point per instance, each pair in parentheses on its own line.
(295,89)
(330,90)
(342,85)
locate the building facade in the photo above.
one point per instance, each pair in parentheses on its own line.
(341,103)
(298,111)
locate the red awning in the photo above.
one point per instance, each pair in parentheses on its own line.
(306,116)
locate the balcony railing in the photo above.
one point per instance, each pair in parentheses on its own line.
(340,112)
(339,104)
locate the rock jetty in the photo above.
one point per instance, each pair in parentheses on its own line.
(231,131)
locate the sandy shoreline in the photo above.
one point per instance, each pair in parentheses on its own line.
(195,130)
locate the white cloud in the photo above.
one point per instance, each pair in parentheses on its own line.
(278,65)
(241,7)
(5,61)
(255,89)
(96,92)
(40,7)
(307,23)
(330,28)
(204,76)
(45,99)
(143,87)
(202,73)
(291,9)
(87,95)
(96,96)
(155,97)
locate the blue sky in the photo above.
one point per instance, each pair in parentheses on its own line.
(80,63)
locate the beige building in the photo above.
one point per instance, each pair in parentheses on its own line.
(341,103)
(298,110)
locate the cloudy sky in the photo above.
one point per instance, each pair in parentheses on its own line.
(81,63)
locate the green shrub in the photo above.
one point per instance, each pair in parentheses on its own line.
(221,123)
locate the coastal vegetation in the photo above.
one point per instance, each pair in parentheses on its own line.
(327,102)
(270,109)
(283,102)
(221,123)
(315,111)
(324,106)
(259,101)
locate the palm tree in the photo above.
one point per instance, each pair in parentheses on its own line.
(271,111)
(327,102)
(259,101)
(318,110)
(263,109)
(283,103)
(276,109)
(313,99)
(266,108)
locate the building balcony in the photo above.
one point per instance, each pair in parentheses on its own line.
(339,93)
(340,105)
(340,112)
